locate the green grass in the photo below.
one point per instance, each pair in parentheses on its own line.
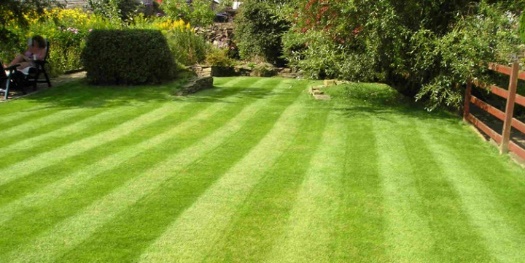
(252,170)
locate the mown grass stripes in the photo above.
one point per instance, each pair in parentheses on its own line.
(197,230)
(252,170)
(27,142)
(360,225)
(263,215)
(309,231)
(408,234)
(177,192)
(486,214)
(106,164)
(35,163)
(170,133)
(129,192)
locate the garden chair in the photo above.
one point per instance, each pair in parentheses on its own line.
(6,80)
(17,80)
(34,75)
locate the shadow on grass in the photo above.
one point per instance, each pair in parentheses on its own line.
(79,94)
(219,94)
(381,101)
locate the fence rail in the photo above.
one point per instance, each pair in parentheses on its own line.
(503,140)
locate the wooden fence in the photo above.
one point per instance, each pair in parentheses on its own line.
(503,140)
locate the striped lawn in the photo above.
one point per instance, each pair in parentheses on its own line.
(252,170)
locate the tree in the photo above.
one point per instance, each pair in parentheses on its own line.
(195,12)
(15,11)
(116,10)
(259,30)
(423,48)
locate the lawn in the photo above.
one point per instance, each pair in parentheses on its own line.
(252,170)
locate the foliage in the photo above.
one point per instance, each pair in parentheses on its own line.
(341,40)
(127,57)
(225,4)
(319,57)
(197,13)
(67,30)
(259,30)
(18,12)
(187,47)
(431,52)
(14,17)
(122,10)
(263,70)
(219,57)
(464,52)
(522,27)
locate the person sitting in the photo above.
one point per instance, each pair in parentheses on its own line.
(36,51)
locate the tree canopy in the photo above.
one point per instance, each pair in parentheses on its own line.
(426,49)
(15,11)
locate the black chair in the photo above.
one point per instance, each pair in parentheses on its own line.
(3,81)
(20,81)
(34,75)
(8,82)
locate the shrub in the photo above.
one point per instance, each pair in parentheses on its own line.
(197,12)
(127,57)
(258,31)
(464,52)
(429,54)
(264,70)
(67,29)
(319,57)
(219,57)
(187,47)
(121,10)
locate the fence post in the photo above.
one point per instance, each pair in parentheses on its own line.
(509,110)
(468,95)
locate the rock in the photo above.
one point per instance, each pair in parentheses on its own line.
(322,97)
(196,85)
(330,82)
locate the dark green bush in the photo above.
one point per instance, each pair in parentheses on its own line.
(127,57)
(259,31)
(428,54)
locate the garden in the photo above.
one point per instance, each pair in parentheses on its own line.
(255,169)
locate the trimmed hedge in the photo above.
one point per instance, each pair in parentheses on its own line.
(127,57)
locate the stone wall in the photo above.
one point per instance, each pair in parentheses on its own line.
(219,34)
(195,85)
(74,3)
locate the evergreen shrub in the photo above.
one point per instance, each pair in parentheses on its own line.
(127,57)
(259,31)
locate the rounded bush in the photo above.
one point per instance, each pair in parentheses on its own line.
(127,57)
